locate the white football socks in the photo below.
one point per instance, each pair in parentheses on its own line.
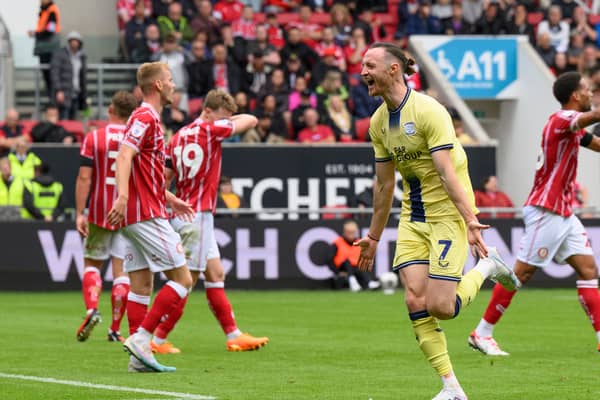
(484,329)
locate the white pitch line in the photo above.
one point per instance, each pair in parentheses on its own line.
(106,387)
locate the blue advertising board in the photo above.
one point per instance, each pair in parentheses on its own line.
(478,68)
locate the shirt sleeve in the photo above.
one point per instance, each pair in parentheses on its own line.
(438,127)
(381,153)
(222,128)
(87,148)
(566,122)
(136,131)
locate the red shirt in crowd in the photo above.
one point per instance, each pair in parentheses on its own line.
(493,199)
(229,10)
(317,134)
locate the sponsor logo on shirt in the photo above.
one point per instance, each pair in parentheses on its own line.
(402,155)
(138,129)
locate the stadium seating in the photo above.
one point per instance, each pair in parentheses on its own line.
(74,127)
(362,128)
(195,106)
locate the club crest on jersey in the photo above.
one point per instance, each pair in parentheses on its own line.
(138,128)
(409,128)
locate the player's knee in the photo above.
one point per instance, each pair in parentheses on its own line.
(442,309)
(414,302)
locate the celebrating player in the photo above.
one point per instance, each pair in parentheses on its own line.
(97,172)
(194,159)
(141,209)
(552,231)
(413,133)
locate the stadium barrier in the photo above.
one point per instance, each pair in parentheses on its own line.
(256,254)
(286,176)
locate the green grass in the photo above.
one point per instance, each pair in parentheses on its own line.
(324,345)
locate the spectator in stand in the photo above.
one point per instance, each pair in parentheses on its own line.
(295,45)
(135,28)
(442,10)
(245,27)
(48,131)
(10,131)
(261,42)
(295,98)
(220,72)
(257,73)
(307,100)
(463,137)
(545,48)
(472,10)
(588,59)
(341,23)
(277,86)
(276,6)
(47,40)
(275,32)
(416,81)
(205,21)
(236,46)
(340,120)
(331,84)
(371,25)
(364,105)
(228,10)
(43,197)
(327,47)
(575,50)
(127,10)
(581,25)
(173,116)
(242,103)
(11,188)
(519,25)
(315,132)
(194,69)
(148,47)
(268,106)
(310,32)
(263,132)
(560,64)
(457,24)
(326,63)
(422,22)
(354,52)
(491,22)
(489,195)
(556,28)
(161,7)
(172,55)
(228,199)
(23,161)
(294,70)
(567,8)
(176,24)
(68,71)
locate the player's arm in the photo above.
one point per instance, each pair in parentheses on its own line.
(591,142)
(82,191)
(383,195)
(442,162)
(586,119)
(243,122)
(122,174)
(180,208)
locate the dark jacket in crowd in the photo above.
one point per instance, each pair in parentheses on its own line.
(61,71)
(201,78)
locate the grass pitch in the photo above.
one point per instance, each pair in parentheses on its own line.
(324,345)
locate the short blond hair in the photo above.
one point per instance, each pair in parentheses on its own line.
(218,98)
(148,73)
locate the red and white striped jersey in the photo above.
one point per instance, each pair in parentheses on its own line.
(554,184)
(194,154)
(100,148)
(147,198)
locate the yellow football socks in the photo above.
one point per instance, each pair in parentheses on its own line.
(468,288)
(432,341)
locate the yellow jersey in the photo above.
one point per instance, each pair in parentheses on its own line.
(408,136)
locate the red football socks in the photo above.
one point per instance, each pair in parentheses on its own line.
(118,298)
(91,287)
(499,302)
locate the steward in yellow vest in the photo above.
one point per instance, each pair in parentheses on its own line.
(43,196)
(11,188)
(22,161)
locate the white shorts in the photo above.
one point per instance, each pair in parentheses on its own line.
(198,239)
(152,244)
(549,236)
(102,243)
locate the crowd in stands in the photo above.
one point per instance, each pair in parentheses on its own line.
(296,63)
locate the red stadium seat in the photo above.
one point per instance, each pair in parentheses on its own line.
(335,215)
(195,107)
(260,18)
(73,126)
(28,125)
(96,124)
(320,18)
(594,19)
(387,18)
(534,18)
(286,18)
(362,129)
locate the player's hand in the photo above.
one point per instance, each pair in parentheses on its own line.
(476,242)
(182,209)
(117,212)
(368,247)
(82,225)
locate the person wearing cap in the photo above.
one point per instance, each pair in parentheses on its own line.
(422,22)
(67,73)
